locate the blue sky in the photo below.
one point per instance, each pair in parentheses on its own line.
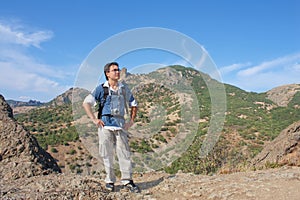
(255,44)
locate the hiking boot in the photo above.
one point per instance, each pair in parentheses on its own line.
(132,187)
(110,187)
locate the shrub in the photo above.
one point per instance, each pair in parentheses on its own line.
(54,150)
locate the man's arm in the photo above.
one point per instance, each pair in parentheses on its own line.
(132,117)
(88,109)
(133,113)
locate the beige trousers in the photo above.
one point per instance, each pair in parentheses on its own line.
(111,142)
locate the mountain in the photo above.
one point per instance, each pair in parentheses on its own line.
(62,99)
(22,107)
(15,104)
(284,94)
(251,120)
(173,123)
(28,172)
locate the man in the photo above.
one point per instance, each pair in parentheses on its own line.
(112,97)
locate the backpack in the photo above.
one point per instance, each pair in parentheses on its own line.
(106,93)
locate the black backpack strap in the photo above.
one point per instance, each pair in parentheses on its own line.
(125,96)
(125,99)
(101,103)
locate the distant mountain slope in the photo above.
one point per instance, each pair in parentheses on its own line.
(14,103)
(62,99)
(26,173)
(24,107)
(284,94)
(252,120)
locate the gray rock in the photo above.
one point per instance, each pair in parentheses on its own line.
(283,150)
(20,154)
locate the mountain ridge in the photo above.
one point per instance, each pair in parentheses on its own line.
(280,183)
(254,127)
(281,95)
(252,120)
(14,103)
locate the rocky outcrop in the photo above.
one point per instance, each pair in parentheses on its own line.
(282,95)
(5,109)
(64,98)
(20,154)
(283,150)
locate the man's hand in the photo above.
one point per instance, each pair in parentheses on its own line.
(88,109)
(98,122)
(129,124)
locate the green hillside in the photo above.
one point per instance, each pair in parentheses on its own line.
(50,125)
(251,121)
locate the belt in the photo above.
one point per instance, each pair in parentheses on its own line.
(115,116)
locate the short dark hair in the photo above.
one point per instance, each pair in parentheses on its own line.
(107,67)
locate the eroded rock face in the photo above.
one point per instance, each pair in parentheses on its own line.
(20,154)
(283,150)
(5,109)
(282,95)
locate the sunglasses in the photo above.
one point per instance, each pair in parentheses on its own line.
(115,70)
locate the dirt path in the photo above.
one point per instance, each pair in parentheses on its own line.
(274,184)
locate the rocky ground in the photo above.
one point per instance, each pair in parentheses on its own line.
(280,183)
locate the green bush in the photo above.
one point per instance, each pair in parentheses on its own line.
(54,150)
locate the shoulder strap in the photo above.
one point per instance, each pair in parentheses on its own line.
(101,104)
(125,99)
(106,92)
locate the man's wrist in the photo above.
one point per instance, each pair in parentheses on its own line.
(131,121)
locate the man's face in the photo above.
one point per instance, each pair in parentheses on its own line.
(113,73)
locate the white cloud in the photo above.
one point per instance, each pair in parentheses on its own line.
(265,76)
(15,34)
(270,65)
(234,67)
(21,73)
(13,78)
(21,60)
(296,67)
(25,98)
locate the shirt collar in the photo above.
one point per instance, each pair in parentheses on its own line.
(107,85)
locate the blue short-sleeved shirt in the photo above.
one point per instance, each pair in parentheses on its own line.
(114,106)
